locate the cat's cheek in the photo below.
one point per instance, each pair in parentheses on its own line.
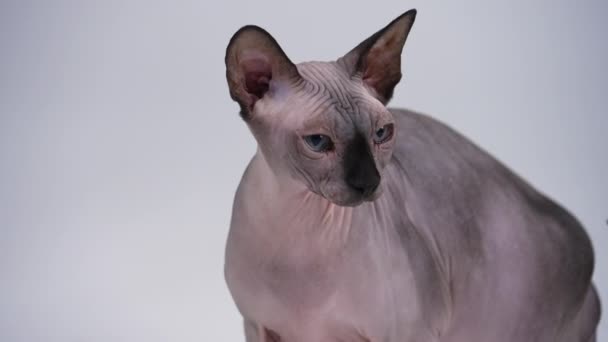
(383,154)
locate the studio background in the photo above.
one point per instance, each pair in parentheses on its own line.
(120,148)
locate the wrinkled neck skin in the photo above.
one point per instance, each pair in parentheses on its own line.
(284,226)
(300,224)
(299,211)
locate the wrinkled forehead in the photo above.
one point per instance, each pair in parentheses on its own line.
(332,98)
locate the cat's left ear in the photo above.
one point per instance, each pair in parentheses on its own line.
(377,60)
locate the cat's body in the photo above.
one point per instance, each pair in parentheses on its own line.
(444,255)
(356,223)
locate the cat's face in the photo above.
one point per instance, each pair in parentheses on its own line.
(322,124)
(340,146)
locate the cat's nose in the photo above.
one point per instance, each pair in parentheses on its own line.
(360,170)
(365,181)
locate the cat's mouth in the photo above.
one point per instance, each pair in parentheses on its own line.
(353,198)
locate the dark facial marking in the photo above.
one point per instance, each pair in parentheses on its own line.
(359,167)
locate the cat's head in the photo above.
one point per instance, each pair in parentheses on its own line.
(324,124)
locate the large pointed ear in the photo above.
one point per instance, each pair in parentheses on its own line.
(256,66)
(378,58)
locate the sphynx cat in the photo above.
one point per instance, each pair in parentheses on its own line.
(355,222)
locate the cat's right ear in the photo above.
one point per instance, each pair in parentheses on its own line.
(256,67)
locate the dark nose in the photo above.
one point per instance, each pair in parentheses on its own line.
(360,170)
(364,180)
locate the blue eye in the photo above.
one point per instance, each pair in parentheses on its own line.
(318,142)
(384,134)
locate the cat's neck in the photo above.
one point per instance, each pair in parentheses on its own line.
(294,212)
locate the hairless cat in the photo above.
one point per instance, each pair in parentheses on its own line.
(358,222)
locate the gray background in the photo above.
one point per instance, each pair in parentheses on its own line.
(120,149)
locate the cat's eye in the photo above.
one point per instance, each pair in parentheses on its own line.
(384,134)
(318,142)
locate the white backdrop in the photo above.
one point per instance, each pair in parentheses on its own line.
(120,149)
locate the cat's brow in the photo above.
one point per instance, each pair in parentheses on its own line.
(326,79)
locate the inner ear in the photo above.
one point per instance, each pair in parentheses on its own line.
(257,73)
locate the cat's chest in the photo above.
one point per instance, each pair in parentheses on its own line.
(310,302)
(332,293)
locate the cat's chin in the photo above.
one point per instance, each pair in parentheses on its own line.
(355,201)
(349,199)
(349,204)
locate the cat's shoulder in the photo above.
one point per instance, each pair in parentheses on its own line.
(425,136)
(416,122)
